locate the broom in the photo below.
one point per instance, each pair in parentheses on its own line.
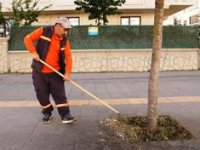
(81,88)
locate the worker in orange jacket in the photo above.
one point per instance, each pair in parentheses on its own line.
(54,48)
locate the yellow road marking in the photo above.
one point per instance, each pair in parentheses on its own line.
(125,101)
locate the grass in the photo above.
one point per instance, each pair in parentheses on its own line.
(134,129)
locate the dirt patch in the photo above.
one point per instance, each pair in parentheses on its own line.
(134,129)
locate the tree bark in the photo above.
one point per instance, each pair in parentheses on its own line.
(152,114)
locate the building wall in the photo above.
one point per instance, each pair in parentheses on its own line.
(129,4)
(146,18)
(144,7)
(4,58)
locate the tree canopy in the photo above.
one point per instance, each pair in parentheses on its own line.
(99,9)
(2,19)
(25,12)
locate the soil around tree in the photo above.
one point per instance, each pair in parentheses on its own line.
(134,129)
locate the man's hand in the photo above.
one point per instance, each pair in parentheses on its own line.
(35,56)
(66,77)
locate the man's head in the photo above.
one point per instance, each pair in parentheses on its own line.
(62,26)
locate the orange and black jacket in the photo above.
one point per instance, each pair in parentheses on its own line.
(52,49)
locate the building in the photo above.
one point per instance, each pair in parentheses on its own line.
(194,17)
(188,16)
(133,12)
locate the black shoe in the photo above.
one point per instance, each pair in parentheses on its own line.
(47,118)
(68,119)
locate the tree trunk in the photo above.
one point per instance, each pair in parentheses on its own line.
(155,66)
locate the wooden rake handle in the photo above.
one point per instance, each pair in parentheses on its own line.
(81,88)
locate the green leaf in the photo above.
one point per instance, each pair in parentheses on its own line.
(99,9)
(25,12)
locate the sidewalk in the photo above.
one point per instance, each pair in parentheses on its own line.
(22,129)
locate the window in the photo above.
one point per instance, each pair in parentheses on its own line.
(194,19)
(124,21)
(74,21)
(131,20)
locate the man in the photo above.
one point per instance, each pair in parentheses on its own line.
(53,48)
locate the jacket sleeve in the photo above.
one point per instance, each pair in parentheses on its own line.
(68,58)
(31,38)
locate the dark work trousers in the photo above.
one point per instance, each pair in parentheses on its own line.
(50,83)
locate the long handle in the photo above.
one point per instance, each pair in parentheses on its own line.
(82,89)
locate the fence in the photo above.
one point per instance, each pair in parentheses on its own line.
(117,37)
